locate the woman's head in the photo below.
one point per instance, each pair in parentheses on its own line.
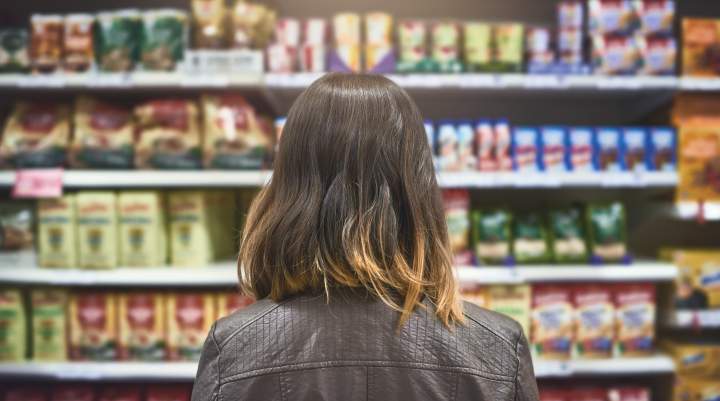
(353,202)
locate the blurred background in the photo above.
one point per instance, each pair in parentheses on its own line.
(577,143)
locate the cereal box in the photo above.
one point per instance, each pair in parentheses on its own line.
(190,316)
(570,14)
(189,229)
(412,45)
(120,392)
(612,16)
(608,142)
(228,303)
(595,321)
(12,326)
(478,45)
(509,42)
(553,148)
(168,392)
(142,326)
(466,144)
(663,149)
(658,55)
(696,389)
(698,283)
(657,17)
(526,149)
(616,54)
(445,45)
(694,359)
(580,149)
(635,145)
(477,295)
(142,229)
(73,392)
(448,147)
(635,319)
(701,37)
(97,229)
(57,246)
(49,326)
(93,326)
(552,322)
(513,301)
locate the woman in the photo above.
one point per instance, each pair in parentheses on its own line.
(347,252)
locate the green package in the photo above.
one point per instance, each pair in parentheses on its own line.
(13,346)
(49,340)
(509,47)
(163,39)
(568,243)
(478,45)
(531,238)
(116,40)
(14,50)
(491,235)
(607,231)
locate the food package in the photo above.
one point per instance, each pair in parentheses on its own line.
(607,237)
(571,14)
(412,45)
(346,29)
(657,17)
(485,146)
(525,145)
(167,392)
(26,393)
(230,302)
(313,58)
(46,42)
(552,321)
(698,283)
(635,149)
(531,238)
(570,45)
(49,325)
(190,316)
(164,37)
(209,24)
(457,215)
(315,31)
(553,148)
(120,392)
(635,319)
(117,40)
(503,145)
(476,295)
(491,234)
(509,41)
(287,32)
(445,42)
(701,41)
(14,55)
(72,392)
(478,45)
(142,223)
(513,301)
(97,230)
(57,235)
(79,51)
(615,54)
(539,50)
(694,388)
(378,40)
(104,135)
(281,58)
(466,145)
(17,234)
(141,326)
(224,237)
(36,135)
(169,135)
(189,234)
(588,394)
(235,138)
(612,16)
(448,144)
(658,55)
(595,321)
(568,234)
(93,326)
(13,346)
(663,149)
(580,149)
(608,145)
(252,25)
(629,394)
(697,359)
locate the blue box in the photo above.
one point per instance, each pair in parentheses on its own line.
(663,149)
(608,145)
(553,150)
(526,149)
(635,149)
(580,149)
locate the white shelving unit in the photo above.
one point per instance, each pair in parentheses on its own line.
(695,319)
(658,364)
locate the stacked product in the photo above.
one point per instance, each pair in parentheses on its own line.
(701,39)
(242,25)
(614,393)
(104,392)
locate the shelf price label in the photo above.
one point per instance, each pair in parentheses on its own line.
(38,183)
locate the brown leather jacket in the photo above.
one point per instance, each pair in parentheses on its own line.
(350,349)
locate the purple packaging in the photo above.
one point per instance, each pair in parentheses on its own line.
(608,143)
(526,149)
(447,146)
(580,149)
(663,149)
(553,148)
(635,149)
(466,137)
(570,14)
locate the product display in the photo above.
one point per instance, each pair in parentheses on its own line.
(36,135)
(104,392)
(169,135)
(17,236)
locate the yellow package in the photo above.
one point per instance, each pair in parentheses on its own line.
(169,135)
(93,326)
(513,301)
(227,303)
(190,316)
(688,388)
(142,326)
(698,284)
(476,295)
(12,326)
(97,230)
(635,306)
(37,134)
(595,321)
(189,229)
(57,246)
(142,229)
(49,328)
(701,360)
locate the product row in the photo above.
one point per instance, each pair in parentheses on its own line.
(698,284)
(59,325)
(220,131)
(594,393)
(101,392)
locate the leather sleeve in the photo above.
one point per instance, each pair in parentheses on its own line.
(525,383)
(207,379)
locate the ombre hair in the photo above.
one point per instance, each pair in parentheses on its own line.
(353,203)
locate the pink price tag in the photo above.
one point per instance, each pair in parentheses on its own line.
(38,183)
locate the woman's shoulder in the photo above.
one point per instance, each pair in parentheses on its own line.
(497,323)
(235,322)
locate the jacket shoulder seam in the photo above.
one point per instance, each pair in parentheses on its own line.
(488,328)
(517,368)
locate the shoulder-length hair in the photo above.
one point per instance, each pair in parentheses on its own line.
(353,203)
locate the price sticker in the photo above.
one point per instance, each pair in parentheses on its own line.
(38,183)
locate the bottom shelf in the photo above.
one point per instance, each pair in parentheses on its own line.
(185,371)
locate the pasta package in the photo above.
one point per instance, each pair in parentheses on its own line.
(103,135)
(12,326)
(97,230)
(209,24)
(57,237)
(93,326)
(190,316)
(163,39)
(49,339)
(116,40)
(252,25)
(36,135)
(141,326)
(169,135)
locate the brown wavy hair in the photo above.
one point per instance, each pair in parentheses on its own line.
(353,202)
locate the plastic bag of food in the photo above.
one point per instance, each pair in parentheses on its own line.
(164,39)
(78,40)
(117,40)
(16,234)
(568,235)
(491,234)
(252,25)
(607,231)
(457,216)
(531,238)
(209,24)
(103,135)
(14,50)
(169,135)
(36,135)
(46,45)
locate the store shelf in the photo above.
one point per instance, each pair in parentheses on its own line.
(557,180)
(658,364)
(129,81)
(695,319)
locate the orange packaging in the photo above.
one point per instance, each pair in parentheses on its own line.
(635,319)
(230,302)
(142,326)
(93,326)
(595,321)
(701,37)
(189,316)
(552,322)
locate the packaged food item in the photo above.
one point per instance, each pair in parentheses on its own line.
(164,39)
(478,45)
(190,316)
(457,215)
(694,388)
(552,321)
(615,54)
(26,393)
(635,142)
(570,44)
(117,40)
(587,394)
(445,38)
(539,51)
(281,58)
(448,146)
(607,237)
(235,138)
(315,31)
(698,282)
(13,346)
(49,339)
(531,238)
(252,25)
(553,148)
(656,16)
(97,230)
(120,392)
(103,135)
(93,326)
(503,145)
(485,145)
(513,301)
(476,295)
(580,149)
(79,53)
(14,55)
(141,326)
(492,240)
(701,38)
(608,145)
(223,236)
(698,148)
(466,145)
(658,55)
(313,58)
(509,42)
(209,24)
(228,303)
(17,238)
(346,28)
(694,358)
(570,14)
(189,233)
(568,244)
(379,50)
(612,16)
(663,149)
(167,392)
(36,135)
(595,320)
(141,219)
(412,45)
(553,394)
(629,394)
(169,135)
(72,392)
(57,237)
(46,44)
(526,149)
(635,319)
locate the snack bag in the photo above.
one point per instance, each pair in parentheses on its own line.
(209,24)
(657,17)
(553,149)
(17,234)
(698,282)
(117,40)
(230,302)
(580,149)
(143,228)
(606,223)
(446,46)
(189,229)
(492,236)
(168,392)
(457,215)
(120,392)
(478,45)
(635,319)
(448,147)
(615,54)
(49,339)
(663,149)
(608,145)
(97,230)
(93,326)
(552,321)
(163,39)
(234,136)
(14,50)
(79,53)
(514,301)
(36,135)
(46,42)
(509,42)
(476,295)
(635,143)
(612,16)
(72,392)
(190,316)
(595,320)
(252,25)
(568,234)
(169,135)
(103,135)
(526,149)
(13,346)
(142,326)
(412,45)
(57,235)
(531,238)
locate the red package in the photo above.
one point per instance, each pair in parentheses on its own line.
(554,394)
(160,392)
(120,393)
(635,319)
(457,216)
(26,394)
(588,394)
(629,394)
(73,392)
(595,321)
(552,321)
